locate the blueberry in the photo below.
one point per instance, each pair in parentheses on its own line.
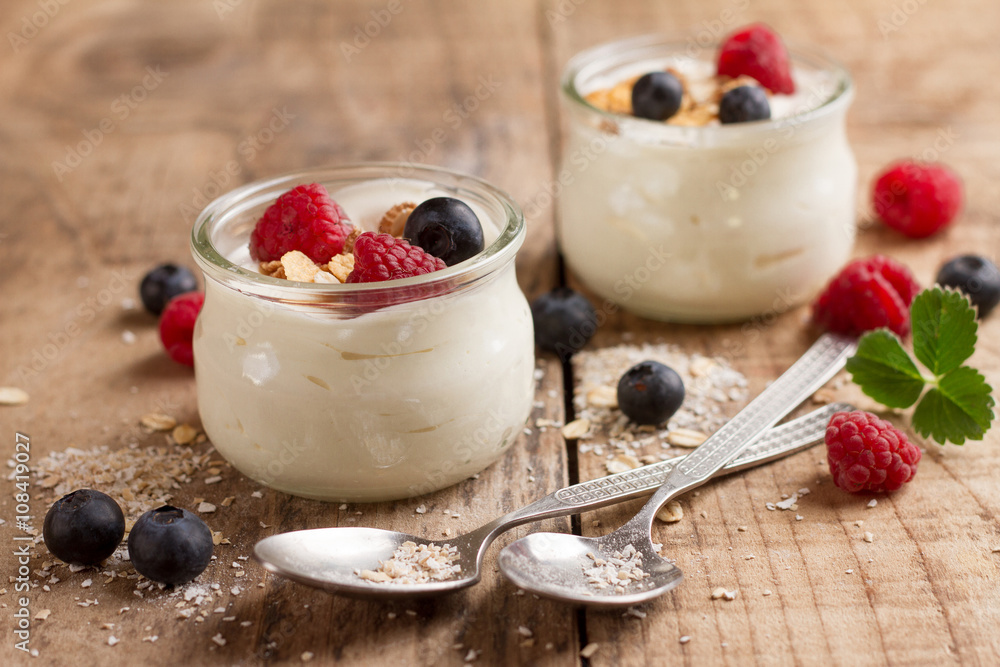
(564,321)
(446,228)
(163,283)
(650,393)
(656,96)
(977,276)
(170,545)
(744,104)
(83,527)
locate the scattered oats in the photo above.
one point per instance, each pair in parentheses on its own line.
(788,503)
(128,337)
(343,506)
(859,523)
(112,640)
(13,396)
(256,494)
(872,503)
(214,479)
(684,437)
(618,571)
(150,638)
(632,611)
(684,639)
(128,304)
(410,612)
(849,571)
(87,583)
(798,517)
(416,564)
(206,508)
(219,610)
(770,506)
(446,532)
(155,421)
(42,614)
(672,512)
(741,529)
(235,590)
(228,619)
(524,632)
(576,429)
(123,610)
(246,624)
(589,650)
(421,509)
(218,638)
(804,491)
(749,557)
(227,501)
(184,434)
(719,593)
(995,550)
(704,514)
(766,592)
(622,463)
(603,397)
(868,537)
(307,655)
(471,655)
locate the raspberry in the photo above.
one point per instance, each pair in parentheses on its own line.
(867,294)
(306,219)
(758,52)
(866,453)
(917,199)
(379,257)
(177,326)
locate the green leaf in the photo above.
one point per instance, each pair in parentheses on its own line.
(884,371)
(944,329)
(959,407)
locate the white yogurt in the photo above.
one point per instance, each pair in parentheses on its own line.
(305,392)
(713,223)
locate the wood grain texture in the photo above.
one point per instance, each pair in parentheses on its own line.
(122,118)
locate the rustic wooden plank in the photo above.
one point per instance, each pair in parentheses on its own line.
(924,591)
(247,90)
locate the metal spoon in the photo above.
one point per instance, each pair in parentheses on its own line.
(330,558)
(554,565)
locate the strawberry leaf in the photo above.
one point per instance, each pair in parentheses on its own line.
(884,371)
(944,329)
(959,407)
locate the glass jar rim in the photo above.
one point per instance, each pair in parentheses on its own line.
(216,265)
(635,49)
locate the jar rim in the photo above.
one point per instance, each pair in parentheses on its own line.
(635,49)
(224,208)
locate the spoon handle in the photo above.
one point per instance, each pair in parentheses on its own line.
(777,442)
(820,362)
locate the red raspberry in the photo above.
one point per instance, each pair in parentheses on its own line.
(917,199)
(866,453)
(867,294)
(305,218)
(757,51)
(177,326)
(379,257)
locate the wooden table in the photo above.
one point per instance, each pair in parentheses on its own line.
(121,118)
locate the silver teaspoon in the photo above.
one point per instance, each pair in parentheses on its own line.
(623,567)
(331,558)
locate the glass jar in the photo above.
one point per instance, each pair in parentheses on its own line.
(363,392)
(712,223)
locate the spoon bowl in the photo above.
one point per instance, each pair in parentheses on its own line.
(541,561)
